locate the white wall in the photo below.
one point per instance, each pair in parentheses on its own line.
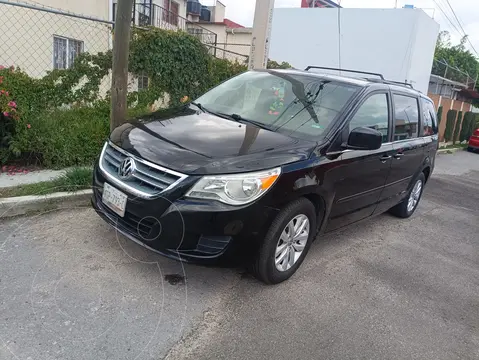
(239,41)
(94,8)
(218,12)
(399,43)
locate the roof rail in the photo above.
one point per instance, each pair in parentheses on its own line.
(345,70)
(391,82)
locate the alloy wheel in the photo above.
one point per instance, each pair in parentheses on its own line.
(292,242)
(414,196)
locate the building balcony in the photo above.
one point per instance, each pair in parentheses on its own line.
(154,15)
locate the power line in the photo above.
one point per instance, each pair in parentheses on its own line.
(457,19)
(447,17)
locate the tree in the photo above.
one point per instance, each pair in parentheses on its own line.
(275,65)
(456,56)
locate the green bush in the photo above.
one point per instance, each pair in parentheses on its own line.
(61,120)
(466,124)
(451,119)
(457,128)
(439,115)
(64,137)
(222,69)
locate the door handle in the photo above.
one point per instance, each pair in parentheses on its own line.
(385,158)
(398,155)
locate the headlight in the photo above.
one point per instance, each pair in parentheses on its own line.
(235,189)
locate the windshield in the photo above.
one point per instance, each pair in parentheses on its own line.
(297,105)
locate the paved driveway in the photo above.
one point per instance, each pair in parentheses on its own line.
(383,289)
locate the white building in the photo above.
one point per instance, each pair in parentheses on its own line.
(398,43)
(232,39)
(39,41)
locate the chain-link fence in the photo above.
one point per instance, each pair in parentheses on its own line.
(39,40)
(448,73)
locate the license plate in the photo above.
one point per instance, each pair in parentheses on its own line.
(114,199)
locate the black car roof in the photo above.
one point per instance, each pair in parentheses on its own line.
(362,82)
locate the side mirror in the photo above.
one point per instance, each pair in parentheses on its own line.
(364,138)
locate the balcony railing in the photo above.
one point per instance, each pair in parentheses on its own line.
(157,16)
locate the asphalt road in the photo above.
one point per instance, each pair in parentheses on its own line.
(70,288)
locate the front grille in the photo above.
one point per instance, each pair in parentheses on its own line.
(147,180)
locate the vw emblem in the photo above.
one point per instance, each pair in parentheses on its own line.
(127,168)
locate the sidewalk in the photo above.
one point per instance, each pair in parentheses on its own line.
(32,177)
(37,200)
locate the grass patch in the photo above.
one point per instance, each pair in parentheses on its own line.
(456,146)
(73,180)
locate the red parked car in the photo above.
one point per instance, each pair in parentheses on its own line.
(474,141)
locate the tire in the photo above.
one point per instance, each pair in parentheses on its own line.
(264,266)
(401,210)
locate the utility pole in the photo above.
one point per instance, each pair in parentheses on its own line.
(263,18)
(258,59)
(121,49)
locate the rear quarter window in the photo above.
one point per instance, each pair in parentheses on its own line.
(429,119)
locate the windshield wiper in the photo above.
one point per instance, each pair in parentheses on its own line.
(241,119)
(198,105)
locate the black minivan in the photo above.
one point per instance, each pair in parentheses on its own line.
(263,163)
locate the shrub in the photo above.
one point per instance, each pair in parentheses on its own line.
(64,137)
(451,119)
(222,69)
(457,127)
(60,120)
(439,115)
(466,124)
(9,112)
(472,126)
(174,61)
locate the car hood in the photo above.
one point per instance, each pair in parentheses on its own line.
(195,142)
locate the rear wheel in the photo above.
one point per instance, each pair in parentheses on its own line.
(407,207)
(286,243)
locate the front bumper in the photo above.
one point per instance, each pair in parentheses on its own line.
(188,230)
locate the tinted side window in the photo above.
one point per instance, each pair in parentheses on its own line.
(429,116)
(407,117)
(373,113)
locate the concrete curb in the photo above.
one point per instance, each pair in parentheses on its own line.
(22,205)
(449,151)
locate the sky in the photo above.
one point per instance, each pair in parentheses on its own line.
(467,11)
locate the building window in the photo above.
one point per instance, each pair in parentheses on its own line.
(143,82)
(170,12)
(65,52)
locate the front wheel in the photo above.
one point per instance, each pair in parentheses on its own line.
(407,207)
(286,243)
